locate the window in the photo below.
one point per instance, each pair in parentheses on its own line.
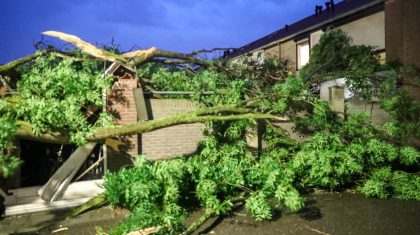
(302,53)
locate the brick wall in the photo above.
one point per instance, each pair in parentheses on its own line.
(288,52)
(402,37)
(120,103)
(171,141)
(273,51)
(402,27)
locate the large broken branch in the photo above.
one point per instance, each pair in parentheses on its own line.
(141,56)
(13,64)
(85,46)
(212,50)
(184,58)
(224,113)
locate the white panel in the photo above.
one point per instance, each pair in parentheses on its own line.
(303,54)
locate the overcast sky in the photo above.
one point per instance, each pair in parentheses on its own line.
(177,25)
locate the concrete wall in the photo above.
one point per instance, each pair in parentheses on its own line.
(377,115)
(171,141)
(369,30)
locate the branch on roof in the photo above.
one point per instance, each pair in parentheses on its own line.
(163,54)
(211,50)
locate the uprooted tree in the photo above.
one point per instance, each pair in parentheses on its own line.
(56,97)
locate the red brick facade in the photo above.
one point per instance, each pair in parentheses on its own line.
(402,31)
(121,103)
(402,37)
(175,140)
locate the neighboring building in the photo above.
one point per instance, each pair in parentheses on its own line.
(391,26)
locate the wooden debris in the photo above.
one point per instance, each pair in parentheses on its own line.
(138,53)
(85,46)
(145,231)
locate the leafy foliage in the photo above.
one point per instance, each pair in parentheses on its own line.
(54,93)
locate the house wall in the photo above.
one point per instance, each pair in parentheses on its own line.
(273,51)
(175,140)
(369,30)
(288,52)
(402,22)
(315,36)
(377,115)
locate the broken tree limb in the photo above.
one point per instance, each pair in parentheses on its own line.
(145,231)
(24,131)
(13,64)
(138,53)
(97,201)
(208,213)
(167,54)
(85,46)
(194,226)
(211,50)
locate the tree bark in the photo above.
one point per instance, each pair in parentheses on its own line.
(13,64)
(24,130)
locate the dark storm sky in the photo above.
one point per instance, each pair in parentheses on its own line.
(177,25)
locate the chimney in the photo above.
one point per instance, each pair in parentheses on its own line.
(286,27)
(332,4)
(316,10)
(327,4)
(320,9)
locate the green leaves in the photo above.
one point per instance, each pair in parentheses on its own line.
(409,156)
(55,93)
(383,183)
(258,206)
(289,196)
(8,163)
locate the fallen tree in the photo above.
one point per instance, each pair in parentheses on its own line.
(55,94)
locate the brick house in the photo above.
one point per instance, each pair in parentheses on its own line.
(127,101)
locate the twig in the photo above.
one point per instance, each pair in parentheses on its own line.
(316,230)
(90,168)
(145,231)
(210,50)
(60,230)
(194,226)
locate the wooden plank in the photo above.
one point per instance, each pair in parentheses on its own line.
(45,206)
(75,190)
(140,104)
(57,185)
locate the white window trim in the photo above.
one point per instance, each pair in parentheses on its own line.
(305,42)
